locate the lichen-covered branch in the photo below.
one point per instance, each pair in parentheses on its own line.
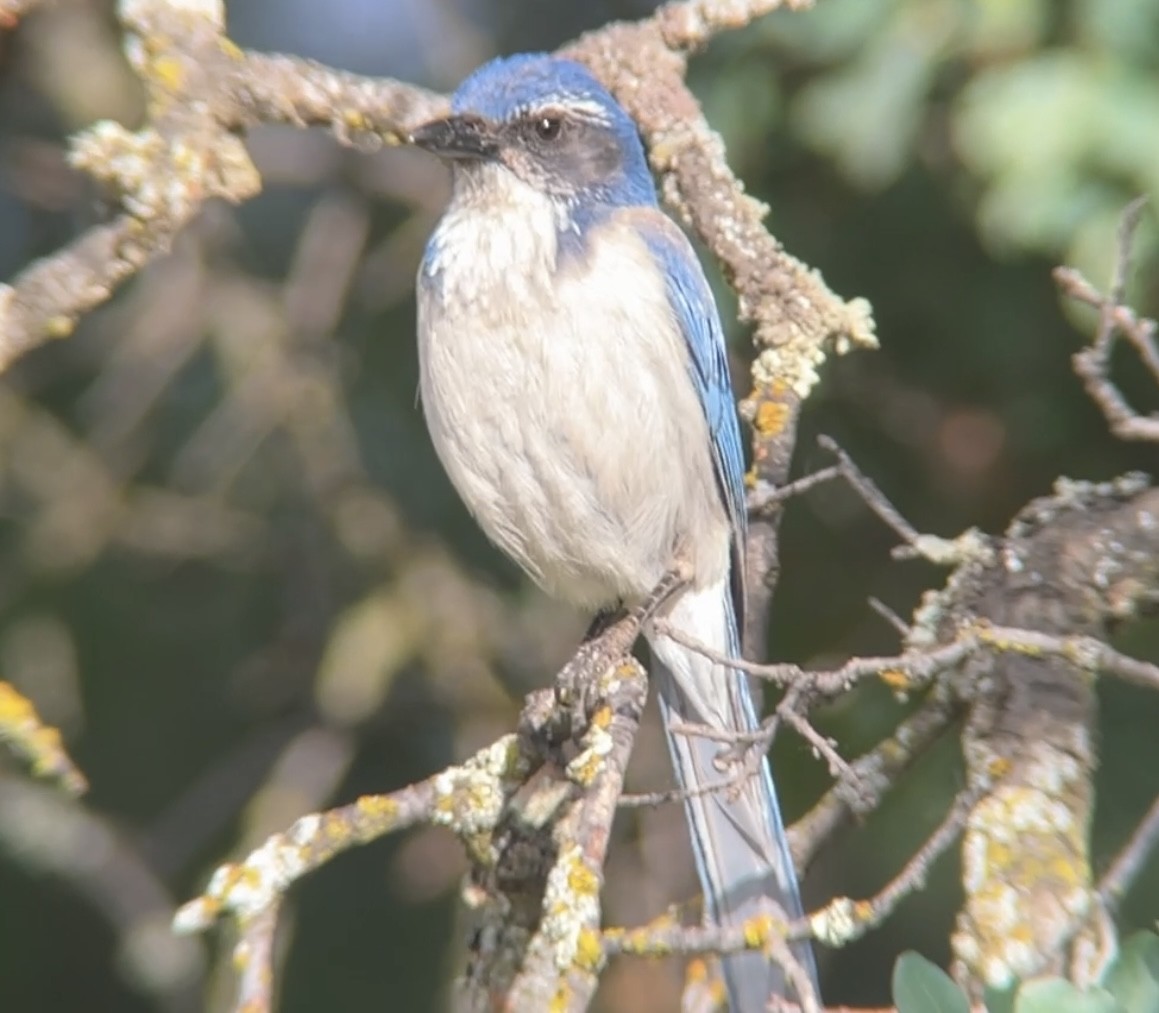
(562,961)
(536,828)
(161,174)
(22,730)
(1015,639)
(1070,564)
(468,798)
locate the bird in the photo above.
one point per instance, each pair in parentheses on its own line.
(575,383)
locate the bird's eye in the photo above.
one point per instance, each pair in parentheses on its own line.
(548,128)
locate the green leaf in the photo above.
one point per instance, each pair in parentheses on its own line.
(922,987)
(1056,995)
(1000,1000)
(1133,978)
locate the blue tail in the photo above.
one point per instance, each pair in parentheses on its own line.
(742,852)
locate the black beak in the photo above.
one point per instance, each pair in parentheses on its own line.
(458,137)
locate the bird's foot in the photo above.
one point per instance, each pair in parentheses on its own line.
(610,639)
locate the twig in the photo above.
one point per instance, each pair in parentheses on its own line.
(762,497)
(253,957)
(468,799)
(1129,862)
(916,668)
(654,799)
(891,617)
(822,746)
(1093,364)
(40,744)
(869,492)
(843,920)
(875,773)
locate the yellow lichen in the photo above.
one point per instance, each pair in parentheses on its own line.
(589,951)
(771,418)
(585,768)
(59,326)
(39,743)
(352,119)
(896,679)
(757,931)
(582,879)
(377,807)
(602,718)
(168,72)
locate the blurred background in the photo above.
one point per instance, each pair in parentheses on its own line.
(234,575)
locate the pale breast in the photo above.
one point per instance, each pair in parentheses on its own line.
(559,400)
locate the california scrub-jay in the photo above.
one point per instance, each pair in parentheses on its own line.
(576,386)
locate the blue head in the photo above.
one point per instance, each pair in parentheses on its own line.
(553,126)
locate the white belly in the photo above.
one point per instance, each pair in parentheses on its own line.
(568,423)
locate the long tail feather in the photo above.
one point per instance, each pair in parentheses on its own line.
(742,852)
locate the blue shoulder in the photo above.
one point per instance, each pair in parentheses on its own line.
(695,310)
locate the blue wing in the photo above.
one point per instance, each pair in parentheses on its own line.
(695,311)
(741,848)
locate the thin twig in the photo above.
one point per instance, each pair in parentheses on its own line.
(875,773)
(874,498)
(890,616)
(253,957)
(916,668)
(763,496)
(1093,363)
(1129,862)
(843,920)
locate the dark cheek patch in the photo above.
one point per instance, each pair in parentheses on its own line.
(583,157)
(589,159)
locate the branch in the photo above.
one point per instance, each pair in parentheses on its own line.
(875,774)
(844,920)
(1125,869)
(1093,364)
(1068,566)
(536,832)
(562,963)
(22,729)
(468,799)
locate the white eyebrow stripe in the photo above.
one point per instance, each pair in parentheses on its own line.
(587,109)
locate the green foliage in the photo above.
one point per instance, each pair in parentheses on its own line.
(1055,995)
(1130,985)
(1044,112)
(1134,978)
(922,987)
